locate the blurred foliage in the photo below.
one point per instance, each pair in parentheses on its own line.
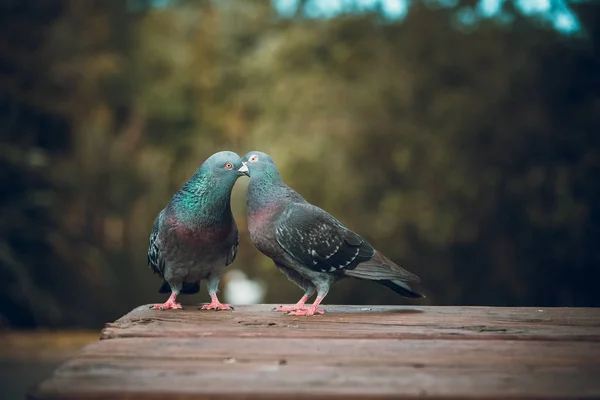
(470,158)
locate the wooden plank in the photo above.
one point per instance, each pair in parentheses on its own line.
(334,351)
(314,368)
(384,322)
(352,352)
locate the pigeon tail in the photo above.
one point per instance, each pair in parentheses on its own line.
(188,288)
(381,268)
(402,289)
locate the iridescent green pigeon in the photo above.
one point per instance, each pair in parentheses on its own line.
(195,236)
(312,248)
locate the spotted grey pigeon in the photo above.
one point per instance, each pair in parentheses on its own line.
(312,248)
(195,236)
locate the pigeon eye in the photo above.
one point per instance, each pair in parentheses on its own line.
(253,158)
(229,165)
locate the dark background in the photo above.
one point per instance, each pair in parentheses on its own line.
(464,146)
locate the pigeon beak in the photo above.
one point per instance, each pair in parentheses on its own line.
(244,169)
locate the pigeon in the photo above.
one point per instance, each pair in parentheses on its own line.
(307,244)
(195,236)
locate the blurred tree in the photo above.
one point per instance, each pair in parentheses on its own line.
(469,157)
(458,160)
(45,263)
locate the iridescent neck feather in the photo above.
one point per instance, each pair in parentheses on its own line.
(266,188)
(204,200)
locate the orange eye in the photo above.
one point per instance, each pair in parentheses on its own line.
(253,158)
(229,165)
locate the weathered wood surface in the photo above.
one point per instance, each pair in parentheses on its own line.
(383,322)
(352,352)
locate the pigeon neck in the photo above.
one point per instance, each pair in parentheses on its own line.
(203,201)
(265,189)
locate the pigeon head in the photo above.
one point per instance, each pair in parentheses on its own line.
(216,176)
(266,189)
(256,163)
(266,186)
(224,165)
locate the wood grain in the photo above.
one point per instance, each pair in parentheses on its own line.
(385,322)
(352,352)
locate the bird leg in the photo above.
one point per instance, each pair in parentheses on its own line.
(212,284)
(312,310)
(300,304)
(215,304)
(169,304)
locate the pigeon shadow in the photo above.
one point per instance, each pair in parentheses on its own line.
(379,310)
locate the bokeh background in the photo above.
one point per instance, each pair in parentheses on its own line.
(459,137)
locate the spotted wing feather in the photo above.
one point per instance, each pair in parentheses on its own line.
(155,259)
(319,241)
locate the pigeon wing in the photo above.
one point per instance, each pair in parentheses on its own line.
(319,241)
(234,249)
(155,259)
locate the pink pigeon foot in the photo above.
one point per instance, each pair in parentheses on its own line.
(298,306)
(295,307)
(215,304)
(169,304)
(312,310)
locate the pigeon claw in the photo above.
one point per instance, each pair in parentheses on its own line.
(289,308)
(166,306)
(216,307)
(306,312)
